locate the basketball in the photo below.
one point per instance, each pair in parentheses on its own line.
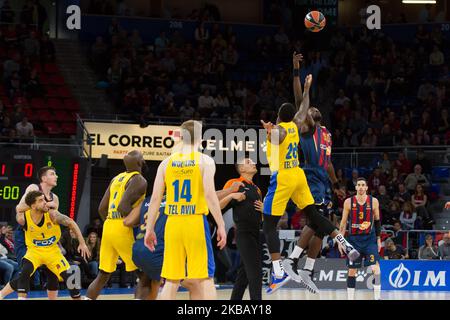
(315,21)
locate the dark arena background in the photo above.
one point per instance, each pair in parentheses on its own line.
(84,82)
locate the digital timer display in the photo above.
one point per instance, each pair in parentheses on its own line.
(19,169)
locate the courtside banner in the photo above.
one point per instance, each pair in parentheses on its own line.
(117,139)
(415,275)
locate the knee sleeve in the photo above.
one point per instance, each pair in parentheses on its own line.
(74,292)
(351,282)
(318,223)
(271,233)
(52,281)
(23,281)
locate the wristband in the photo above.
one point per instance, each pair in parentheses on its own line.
(377,228)
(296,72)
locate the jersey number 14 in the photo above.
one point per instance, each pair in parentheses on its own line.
(185,190)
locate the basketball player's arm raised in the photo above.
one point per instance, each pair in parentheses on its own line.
(104,203)
(137,186)
(297,58)
(64,220)
(22,206)
(155,202)
(376,221)
(208,168)
(302,118)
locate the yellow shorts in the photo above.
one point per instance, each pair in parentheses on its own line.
(285,185)
(117,241)
(188,250)
(54,260)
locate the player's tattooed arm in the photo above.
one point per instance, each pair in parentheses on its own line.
(103,206)
(137,186)
(64,220)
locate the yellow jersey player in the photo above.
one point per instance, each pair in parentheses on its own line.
(187,177)
(288,181)
(42,233)
(126,191)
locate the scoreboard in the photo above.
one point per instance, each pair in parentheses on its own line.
(19,168)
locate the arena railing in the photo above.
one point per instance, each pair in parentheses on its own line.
(418,233)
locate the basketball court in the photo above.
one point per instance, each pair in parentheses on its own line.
(224,293)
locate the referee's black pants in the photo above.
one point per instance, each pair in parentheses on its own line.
(250,269)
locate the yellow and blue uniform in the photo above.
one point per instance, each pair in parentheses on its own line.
(187,241)
(42,244)
(117,239)
(288,180)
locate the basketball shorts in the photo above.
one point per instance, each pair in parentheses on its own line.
(117,241)
(188,250)
(368,249)
(53,260)
(318,184)
(285,185)
(151,262)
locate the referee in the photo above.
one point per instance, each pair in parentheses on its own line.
(247,209)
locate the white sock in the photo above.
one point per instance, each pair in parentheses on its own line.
(296,252)
(86,298)
(351,293)
(21,298)
(1,296)
(277,269)
(377,291)
(309,264)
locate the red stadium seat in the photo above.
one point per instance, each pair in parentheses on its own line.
(51,68)
(45,115)
(71,104)
(37,103)
(6,102)
(63,116)
(20,100)
(57,80)
(38,68)
(55,103)
(52,128)
(64,92)
(69,128)
(44,79)
(52,92)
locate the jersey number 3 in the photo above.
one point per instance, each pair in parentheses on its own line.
(185,190)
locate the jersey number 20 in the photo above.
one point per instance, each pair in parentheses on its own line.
(185,190)
(292,151)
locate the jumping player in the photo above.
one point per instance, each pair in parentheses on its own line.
(187,177)
(364,228)
(42,233)
(316,145)
(125,192)
(288,181)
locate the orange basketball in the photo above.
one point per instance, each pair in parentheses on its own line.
(315,21)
